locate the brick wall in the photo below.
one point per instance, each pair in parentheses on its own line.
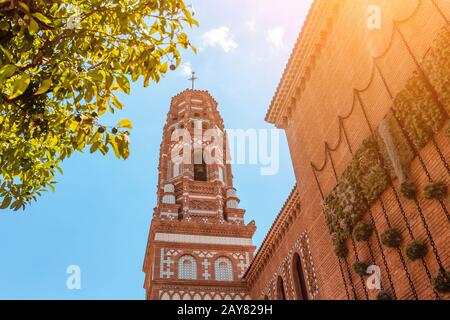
(338,51)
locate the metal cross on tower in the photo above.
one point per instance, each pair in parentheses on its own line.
(193,78)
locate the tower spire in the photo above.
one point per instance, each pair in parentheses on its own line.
(193,78)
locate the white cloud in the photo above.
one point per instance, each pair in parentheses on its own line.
(251,25)
(221,37)
(186,69)
(275,37)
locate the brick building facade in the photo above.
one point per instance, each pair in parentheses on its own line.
(344,84)
(365,107)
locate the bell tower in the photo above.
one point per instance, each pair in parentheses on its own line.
(199,246)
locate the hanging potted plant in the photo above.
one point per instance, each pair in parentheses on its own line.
(362,231)
(416,250)
(340,249)
(360,268)
(409,189)
(436,190)
(441,282)
(391,238)
(383,295)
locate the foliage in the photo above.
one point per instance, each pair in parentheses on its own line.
(442,282)
(62,65)
(383,295)
(360,185)
(344,207)
(418,112)
(416,250)
(360,268)
(362,231)
(409,189)
(368,169)
(437,66)
(436,190)
(391,238)
(340,248)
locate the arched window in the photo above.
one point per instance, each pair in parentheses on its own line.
(281,295)
(199,167)
(224,269)
(299,278)
(187,268)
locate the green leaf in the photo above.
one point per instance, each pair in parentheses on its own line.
(115,147)
(125,123)
(42,18)
(33,27)
(94,147)
(164,67)
(117,103)
(123,83)
(45,85)
(20,85)
(7,71)
(6,53)
(6,202)
(24,6)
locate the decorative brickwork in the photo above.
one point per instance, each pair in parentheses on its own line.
(198,246)
(344,85)
(363,111)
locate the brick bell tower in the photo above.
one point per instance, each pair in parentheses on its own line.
(199,246)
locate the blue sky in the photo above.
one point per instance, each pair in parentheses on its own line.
(99,216)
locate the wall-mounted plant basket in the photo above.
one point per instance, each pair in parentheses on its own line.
(362,231)
(368,170)
(419,114)
(383,295)
(391,238)
(437,66)
(416,250)
(360,268)
(441,282)
(340,249)
(409,189)
(436,190)
(360,185)
(344,208)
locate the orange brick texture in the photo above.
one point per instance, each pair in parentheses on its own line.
(335,56)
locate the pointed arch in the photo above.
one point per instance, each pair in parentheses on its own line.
(281,294)
(299,278)
(197,297)
(165,296)
(176,296)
